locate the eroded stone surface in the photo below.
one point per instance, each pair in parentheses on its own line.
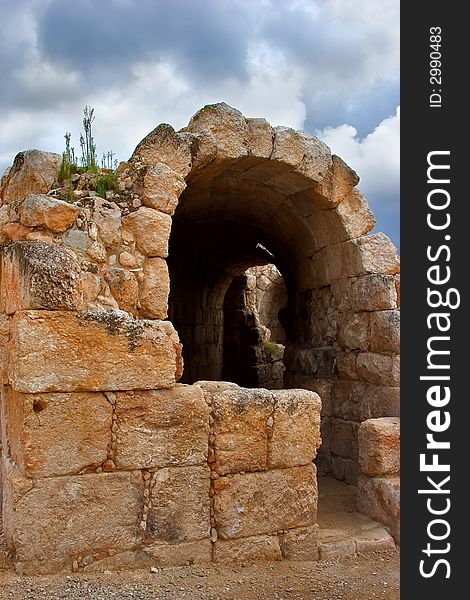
(379,446)
(42,211)
(379,497)
(180,505)
(32,172)
(39,275)
(296,428)
(265,503)
(65,351)
(151,229)
(157,428)
(78,514)
(262,547)
(154,289)
(57,434)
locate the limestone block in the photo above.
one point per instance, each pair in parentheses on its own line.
(314,361)
(43,211)
(354,331)
(240,429)
(151,229)
(300,544)
(385,331)
(344,438)
(344,469)
(14,232)
(154,289)
(296,428)
(346,365)
(359,400)
(265,503)
(163,145)
(57,434)
(373,292)
(307,154)
(378,254)
(379,497)
(107,216)
(375,368)
(39,275)
(338,183)
(107,350)
(227,126)
(194,553)
(379,446)
(78,514)
(32,172)
(261,547)
(260,138)
(4,338)
(124,288)
(355,214)
(380,401)
(369,254)
(162,188)
(157,428)
(179,508)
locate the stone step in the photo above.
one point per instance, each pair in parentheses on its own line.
(343,530)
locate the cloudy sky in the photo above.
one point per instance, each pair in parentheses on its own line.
(329,67)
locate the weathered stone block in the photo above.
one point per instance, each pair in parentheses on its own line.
(43,211)
(369,254)
(4,338)
(373,292)
(353,331)
(240,429)
(57,434)
(375,368)
(344,438)
(380,401)
(247,549)
(296,428)
(64,517)
(344,469)
(32,172)
(179,509)
(260,138)
(107,217)
(379,446)
(64,351)
(157,428)
(154,289)
(162,188)
(317,362)
(164,145)
(385,331)
(300,544)
(124,288)
(195,553)
(39,275)
(151,229)
(265,503)
(379,497)
(226,124)
(346,365)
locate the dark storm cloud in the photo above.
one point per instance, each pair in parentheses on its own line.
(205,39)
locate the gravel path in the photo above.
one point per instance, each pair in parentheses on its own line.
(361,577)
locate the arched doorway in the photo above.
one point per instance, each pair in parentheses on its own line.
(244,194)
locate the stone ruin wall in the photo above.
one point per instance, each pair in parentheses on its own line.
(95,427)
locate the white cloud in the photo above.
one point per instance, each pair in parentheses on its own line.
(376,158)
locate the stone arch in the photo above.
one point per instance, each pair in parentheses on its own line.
(236,186)
(86,343)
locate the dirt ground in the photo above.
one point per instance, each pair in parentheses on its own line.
(360,577)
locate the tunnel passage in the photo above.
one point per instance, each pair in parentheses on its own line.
(226,223)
